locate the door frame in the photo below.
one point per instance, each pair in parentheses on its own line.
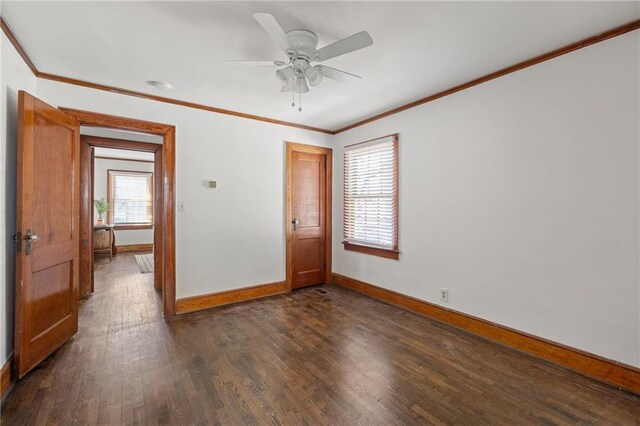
(164,171)
(87,179)
(292,147)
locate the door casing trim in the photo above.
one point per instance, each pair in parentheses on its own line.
(167,203)
(292,147)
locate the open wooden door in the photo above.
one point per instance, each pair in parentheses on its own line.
(47,255)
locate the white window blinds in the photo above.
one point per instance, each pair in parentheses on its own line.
(371,193)
(130,197)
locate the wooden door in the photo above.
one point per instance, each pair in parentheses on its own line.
(48,185)
(308,223)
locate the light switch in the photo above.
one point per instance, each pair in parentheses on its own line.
(181,206)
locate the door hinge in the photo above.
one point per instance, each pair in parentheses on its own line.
(17,240)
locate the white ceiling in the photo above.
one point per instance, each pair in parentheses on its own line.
(419,47)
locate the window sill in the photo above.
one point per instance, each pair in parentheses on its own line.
(123,227)
(375,251)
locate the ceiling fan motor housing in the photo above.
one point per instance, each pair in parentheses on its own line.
(305,42)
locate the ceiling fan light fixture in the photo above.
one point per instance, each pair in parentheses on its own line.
(314,75)
(288,86)
(300,85)
(285,74)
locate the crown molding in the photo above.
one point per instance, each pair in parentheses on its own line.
(121,91)
(76,82)
(589,41)
(14,41)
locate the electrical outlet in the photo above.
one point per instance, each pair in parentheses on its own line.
(444,294)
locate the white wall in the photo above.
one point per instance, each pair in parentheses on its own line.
(229,237)
(14,76)
(126,236)
(521,196)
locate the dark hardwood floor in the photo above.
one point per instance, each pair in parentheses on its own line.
(321,355)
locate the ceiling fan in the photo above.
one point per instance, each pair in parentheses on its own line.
(301,48)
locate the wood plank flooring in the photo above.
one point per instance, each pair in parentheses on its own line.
(321,355)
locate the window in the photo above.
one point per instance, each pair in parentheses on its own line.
(130,197)
(371,197)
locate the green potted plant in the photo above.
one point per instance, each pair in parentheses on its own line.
(101,207)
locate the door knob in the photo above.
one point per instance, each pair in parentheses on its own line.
(295,222)
(29,238)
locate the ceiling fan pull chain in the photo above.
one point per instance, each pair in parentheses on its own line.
(300,95)
(293,92)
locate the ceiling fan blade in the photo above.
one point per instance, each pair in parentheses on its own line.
(271,26)
(256,63)
(354,42)
(336,74)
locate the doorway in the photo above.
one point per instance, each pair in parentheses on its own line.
(118,184)
(308,215)
(164,196)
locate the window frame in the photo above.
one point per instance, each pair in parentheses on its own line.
(110,200)
(389,253)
